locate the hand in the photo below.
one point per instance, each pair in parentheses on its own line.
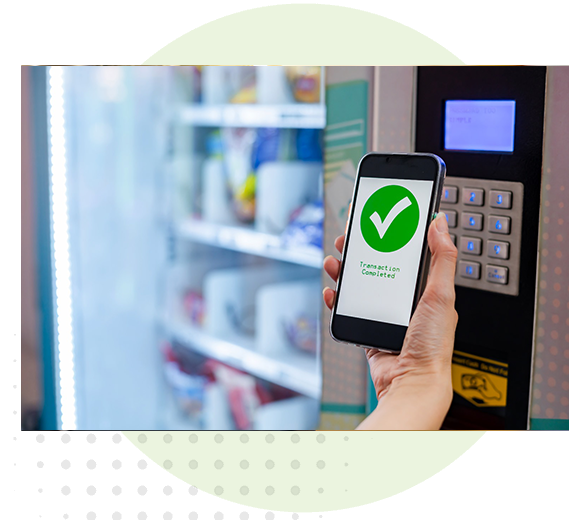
(414,388)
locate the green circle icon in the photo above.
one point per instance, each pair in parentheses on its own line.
(390,218)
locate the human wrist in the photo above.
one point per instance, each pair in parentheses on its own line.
(418,401)
(435,379)
(431,390)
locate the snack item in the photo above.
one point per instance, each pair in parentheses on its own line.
(305,83)
(306,227)
(238,146)
(309,144)
(274,144)
(244,89)
(194,306)
(244,199)
(242,394)
(302,333)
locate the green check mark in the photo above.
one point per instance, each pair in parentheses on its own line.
(390,218)
(382,226)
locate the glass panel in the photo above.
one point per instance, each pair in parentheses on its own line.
(195,245)
(116,144)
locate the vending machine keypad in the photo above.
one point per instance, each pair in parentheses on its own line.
(485,219)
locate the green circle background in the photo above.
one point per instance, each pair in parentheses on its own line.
(303,34)
(401,230)
(368,466)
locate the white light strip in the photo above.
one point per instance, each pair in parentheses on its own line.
(63,303)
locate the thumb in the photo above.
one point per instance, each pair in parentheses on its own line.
(443,261)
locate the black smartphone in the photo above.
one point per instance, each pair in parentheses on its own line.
(386,258)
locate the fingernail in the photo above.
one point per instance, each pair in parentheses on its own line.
(441,223)
(325,289)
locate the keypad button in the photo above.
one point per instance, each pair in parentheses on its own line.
(497,274)
(498,224)
(452,217)
(469,269)
(453,238)
(472,221)
(473,196)
(500,199)
(498,249)
(450,194)
(471,245)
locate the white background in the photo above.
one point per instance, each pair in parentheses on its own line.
(382,299)
(7,268)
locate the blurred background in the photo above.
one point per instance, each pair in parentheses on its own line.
(171,245)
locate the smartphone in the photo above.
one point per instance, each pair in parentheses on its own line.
(386,258)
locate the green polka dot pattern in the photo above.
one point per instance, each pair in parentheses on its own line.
(304,471)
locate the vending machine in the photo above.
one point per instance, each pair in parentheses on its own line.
(500,132)
(178,208)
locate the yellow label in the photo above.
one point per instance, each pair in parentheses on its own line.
(481,381)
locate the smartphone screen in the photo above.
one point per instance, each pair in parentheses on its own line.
(385,258)
(382,262)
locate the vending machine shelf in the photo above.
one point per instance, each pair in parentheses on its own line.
(296,371)
(248,240)
(293,115)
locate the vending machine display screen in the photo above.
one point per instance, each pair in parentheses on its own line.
(479,125)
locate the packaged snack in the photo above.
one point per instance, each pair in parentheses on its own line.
(309,144)
(266,146)
(246,95)
(274,144)
(243,83)
(237,148)
(187,384)
(244,199)
(302,332)
(194,306)
(305,83)
(306,227)
(187,388)
(242,393)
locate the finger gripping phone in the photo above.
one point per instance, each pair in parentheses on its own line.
(386,256)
